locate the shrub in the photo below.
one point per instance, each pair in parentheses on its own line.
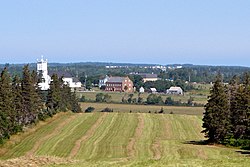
(82,99)
(107,110)
(89,109)
(161,111)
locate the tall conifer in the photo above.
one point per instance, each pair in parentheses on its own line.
(7,120)
(29,97)
(216,120)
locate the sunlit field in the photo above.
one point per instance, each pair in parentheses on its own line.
(118,139)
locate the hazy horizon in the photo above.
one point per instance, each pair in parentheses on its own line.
(139,32)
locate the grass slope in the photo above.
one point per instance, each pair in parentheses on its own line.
(128,139)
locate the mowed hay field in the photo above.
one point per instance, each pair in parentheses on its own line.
(117,139)
(145,108)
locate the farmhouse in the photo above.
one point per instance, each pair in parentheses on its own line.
(102,82)
(175,90)
(119,84)
(68,79)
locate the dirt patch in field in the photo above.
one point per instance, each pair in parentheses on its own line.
(35,161)
(138,132)
(156,147)
(202,154)
(88,134)
(54,133)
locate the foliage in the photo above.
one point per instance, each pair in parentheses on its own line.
(107,110)
(100,97)
(227,114)
(89,109)
(154,99)
(82,99)
(22,101)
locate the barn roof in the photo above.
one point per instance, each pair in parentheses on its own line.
(117,79)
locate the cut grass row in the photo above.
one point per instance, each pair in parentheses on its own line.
(131,139)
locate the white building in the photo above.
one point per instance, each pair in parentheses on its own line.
(42,71)
(102,82)
(153,90)
(141,90)
(70,82)
(175,90)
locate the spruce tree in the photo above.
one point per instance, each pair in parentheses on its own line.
(216,120)
(75,106)
(18,101)
(65,92)
(7,112)
(54,96)
(241,113)
(30,107)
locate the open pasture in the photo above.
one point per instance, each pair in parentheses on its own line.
(118,139)
(145,108)
(198,96)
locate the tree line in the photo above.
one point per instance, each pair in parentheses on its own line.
(22,103)
(227,114)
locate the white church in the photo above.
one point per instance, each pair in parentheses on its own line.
(42,70)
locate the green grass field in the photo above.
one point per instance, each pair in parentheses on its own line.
(145,108)
(118,139)
(198,96)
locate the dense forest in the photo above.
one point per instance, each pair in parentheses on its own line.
(227,113)
(22,103)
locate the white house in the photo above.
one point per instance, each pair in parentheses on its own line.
(71,82)
(102,82)
(141,90)
(175,90)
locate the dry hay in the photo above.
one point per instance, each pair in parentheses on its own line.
(35,161)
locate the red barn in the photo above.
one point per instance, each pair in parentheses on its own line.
(119,84)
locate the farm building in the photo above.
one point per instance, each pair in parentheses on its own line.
(141,90)
(148,77)
(119,84)
(102,82)
(153,90)
(68,79)
(174,90)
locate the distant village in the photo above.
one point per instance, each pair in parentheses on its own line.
(108,83)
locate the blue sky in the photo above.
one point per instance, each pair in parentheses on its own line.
(211,32)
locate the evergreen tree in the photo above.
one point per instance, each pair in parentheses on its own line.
(241,111)
(54,95)
(216,120)
(18,101)
(30,106)
(66,97)
(7,113)
(75,106)
(37,94)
